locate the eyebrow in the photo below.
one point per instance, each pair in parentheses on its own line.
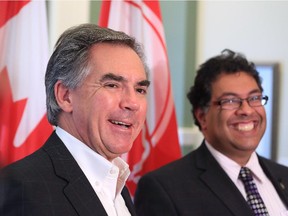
(118,78)
(234,94)
(144,83)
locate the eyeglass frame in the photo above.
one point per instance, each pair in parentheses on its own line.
(239,101)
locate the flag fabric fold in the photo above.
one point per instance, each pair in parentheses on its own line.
(23,59)
(158,142)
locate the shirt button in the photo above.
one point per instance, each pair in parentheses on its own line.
(112,171)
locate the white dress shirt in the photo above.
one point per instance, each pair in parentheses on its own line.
(266,189)
(106,178)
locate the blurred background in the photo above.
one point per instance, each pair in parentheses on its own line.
(197,30)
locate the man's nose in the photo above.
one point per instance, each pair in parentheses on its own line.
(245,108)
(130,101)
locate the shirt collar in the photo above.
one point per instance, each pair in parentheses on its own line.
(232,168)
(96,168)
(254,166)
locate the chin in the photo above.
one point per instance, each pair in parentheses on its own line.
(122,150)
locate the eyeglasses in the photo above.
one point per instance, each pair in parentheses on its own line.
(236,103)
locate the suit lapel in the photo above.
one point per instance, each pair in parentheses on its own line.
(220,183)
(78,190)
(126,196)
(278,177)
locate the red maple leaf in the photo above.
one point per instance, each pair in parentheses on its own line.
(10,116)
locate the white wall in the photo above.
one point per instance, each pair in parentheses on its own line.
(65,14)
(258,29)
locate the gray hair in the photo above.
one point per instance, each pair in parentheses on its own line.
(69,62)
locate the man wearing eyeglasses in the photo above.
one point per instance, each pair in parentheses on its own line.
(224,176)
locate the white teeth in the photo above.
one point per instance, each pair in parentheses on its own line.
(120,123)
(245,127)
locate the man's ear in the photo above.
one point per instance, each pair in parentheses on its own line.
(63,97)
(200,114)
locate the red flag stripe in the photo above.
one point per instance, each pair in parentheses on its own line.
(8,9)
(154,6)
(104,13)
(159,35)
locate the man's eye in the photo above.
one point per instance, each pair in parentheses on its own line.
(142,91)
(230,101)
(111,85)
(255,98)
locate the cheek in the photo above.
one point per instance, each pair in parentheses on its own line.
(89,109)
(223,118)
(144,106)
(104,101)
(211,120)
(143,110)
(217,120)
(263,117)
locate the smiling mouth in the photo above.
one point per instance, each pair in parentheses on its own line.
(123,124)
(245,126)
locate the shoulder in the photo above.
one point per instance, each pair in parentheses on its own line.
(28,166)
(177,165)
(190,164)
(19,180)
(273,166)
(39,162)
(175,174)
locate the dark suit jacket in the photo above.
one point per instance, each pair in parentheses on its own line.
(197,185)
(50,182)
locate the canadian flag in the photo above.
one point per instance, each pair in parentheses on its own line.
(23,59)
(158,142)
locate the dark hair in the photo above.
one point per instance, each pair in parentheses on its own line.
(70,59)
(228,62)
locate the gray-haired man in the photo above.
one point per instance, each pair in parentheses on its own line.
(96,84)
